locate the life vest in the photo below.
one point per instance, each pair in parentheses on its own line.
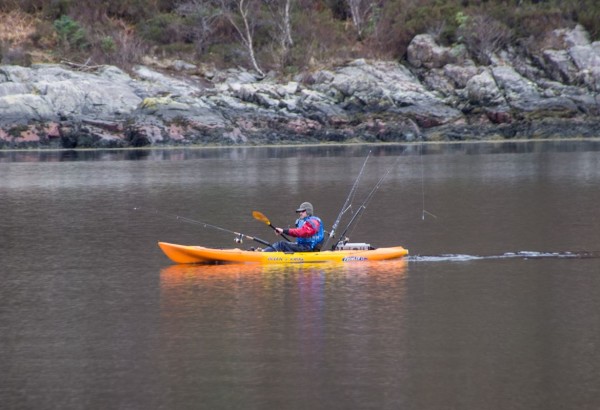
(314,240)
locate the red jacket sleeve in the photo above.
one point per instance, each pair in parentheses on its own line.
(306,231)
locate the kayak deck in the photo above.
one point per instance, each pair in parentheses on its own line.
(200,254)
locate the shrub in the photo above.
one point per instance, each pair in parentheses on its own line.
(16,27)
(163,29)
(15,56)
(483,36)
(108,45)
(70,33)
(586,12)
(395,28)
(318,38)
(201,23)
(115,42)
(535,22)
(44,35)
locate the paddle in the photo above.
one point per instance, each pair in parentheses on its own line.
(261,217)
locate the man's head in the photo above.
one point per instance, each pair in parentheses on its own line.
(305,206)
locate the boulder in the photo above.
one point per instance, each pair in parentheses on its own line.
(560,66)
(482,90)
(424,51)
(513,85)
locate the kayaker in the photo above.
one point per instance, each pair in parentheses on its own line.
(309,233)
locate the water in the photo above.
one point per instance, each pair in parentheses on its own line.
(496,307)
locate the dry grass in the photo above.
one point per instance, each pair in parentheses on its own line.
(21,39)
(16,27)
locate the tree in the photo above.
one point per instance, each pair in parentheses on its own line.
(243,16)
(280,11)
(204,15)
(360,11)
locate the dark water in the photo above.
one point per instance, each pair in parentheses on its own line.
(496,308)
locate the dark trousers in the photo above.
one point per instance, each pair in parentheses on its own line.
(285,246)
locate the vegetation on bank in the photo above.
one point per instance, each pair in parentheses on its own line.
(284,36)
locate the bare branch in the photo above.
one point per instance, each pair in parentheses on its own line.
(244,9)
(360,11)
(205,15)
(280,11)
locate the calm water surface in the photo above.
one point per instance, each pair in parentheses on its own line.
(496,308)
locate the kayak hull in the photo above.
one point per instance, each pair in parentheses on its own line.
(200,254)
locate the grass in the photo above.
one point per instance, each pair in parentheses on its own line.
(17,28)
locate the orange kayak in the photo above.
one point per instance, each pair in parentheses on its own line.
(200,254)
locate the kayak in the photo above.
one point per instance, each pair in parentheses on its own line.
(200,254)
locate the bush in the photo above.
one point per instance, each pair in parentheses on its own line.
(114,42)
(15,56)
(396,27)
(163,29)
(107,44)
(586,12)
(44,35)
(71,35)
(482,35)
(319,38)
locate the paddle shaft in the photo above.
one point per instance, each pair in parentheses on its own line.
(261,217)
(282,234)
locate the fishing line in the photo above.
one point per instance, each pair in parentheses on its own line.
(422,139)
(238,238)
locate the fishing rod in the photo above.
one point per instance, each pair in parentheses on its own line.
(238,238)
(347,205)
(363,206)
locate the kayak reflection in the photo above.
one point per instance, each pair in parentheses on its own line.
(193,288)
(179,275)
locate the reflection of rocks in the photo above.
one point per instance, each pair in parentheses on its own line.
(440,94)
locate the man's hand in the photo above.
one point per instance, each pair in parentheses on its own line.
(278,231)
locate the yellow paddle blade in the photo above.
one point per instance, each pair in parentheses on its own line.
(261,217)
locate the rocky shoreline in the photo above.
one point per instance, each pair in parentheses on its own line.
(438,94)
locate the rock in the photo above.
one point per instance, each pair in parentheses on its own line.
(154,82)
(483,90)
(265,100)
(287,90)
(179,65)
(568,38)
(541,94)
(460,75)
(423,51)
(10,88)
(24,109)
(586,57)
(560,66)
(319,107)
(437,81)
(513,85)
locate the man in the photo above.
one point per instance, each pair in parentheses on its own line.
(309,233)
